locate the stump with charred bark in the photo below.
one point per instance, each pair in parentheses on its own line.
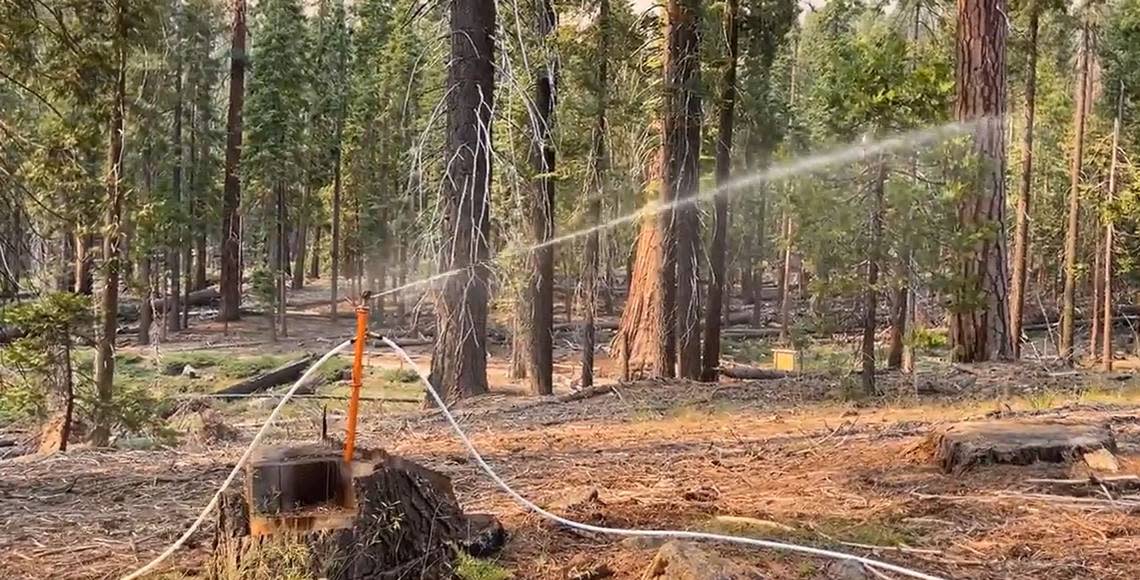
(407,524)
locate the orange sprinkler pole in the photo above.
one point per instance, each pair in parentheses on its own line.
(357,379)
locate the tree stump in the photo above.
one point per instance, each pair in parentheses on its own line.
(682,561)
(407,524)
(966,445)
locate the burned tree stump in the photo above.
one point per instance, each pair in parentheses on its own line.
(402,521)
(966,445)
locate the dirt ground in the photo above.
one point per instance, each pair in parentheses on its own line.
(792,459)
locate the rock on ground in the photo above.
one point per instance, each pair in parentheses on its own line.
(684,561)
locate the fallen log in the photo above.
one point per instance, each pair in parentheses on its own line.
(751,373)
(198,298)
(577,325)
(1122,319)
(750,333)
(402,521)
(1035,317)
(285,373)
(587,393)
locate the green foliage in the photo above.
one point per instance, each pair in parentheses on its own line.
(402,375)
(471,568)
(263,286)
(38,363)
(134,409)
(273,156)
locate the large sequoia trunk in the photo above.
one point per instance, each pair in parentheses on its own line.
(459,359)
(408,525)
(979,319)
(637,341)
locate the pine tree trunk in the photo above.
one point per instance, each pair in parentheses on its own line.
(898,325)
(871,292)
(187,282)
(282,259)
(459,359)
(109,307)
(146,309)
(756,253)
(335,243)
(173,313)
(518,362)
(1021,231)
(1097,295)
(540,349)
(231,197)
(1072,231)
(315,259)
(786,284)
(298,281)
(719,251)
(599,161)
(682,138)
(1107,351)
(197,211)
(378,298)
(401,281)
(979,317)
(84,264)
(186,244)
(201,250)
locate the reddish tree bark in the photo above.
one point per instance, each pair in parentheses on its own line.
(638,339)
(979,318)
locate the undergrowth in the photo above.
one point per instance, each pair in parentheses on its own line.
(471,568)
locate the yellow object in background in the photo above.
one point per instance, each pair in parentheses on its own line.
(787,359)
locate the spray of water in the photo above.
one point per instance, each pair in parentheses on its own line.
(904,142)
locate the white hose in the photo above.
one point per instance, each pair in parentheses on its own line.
(149,567)
(627,532)
(237,468)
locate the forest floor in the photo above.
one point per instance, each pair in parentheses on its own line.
(800,459)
